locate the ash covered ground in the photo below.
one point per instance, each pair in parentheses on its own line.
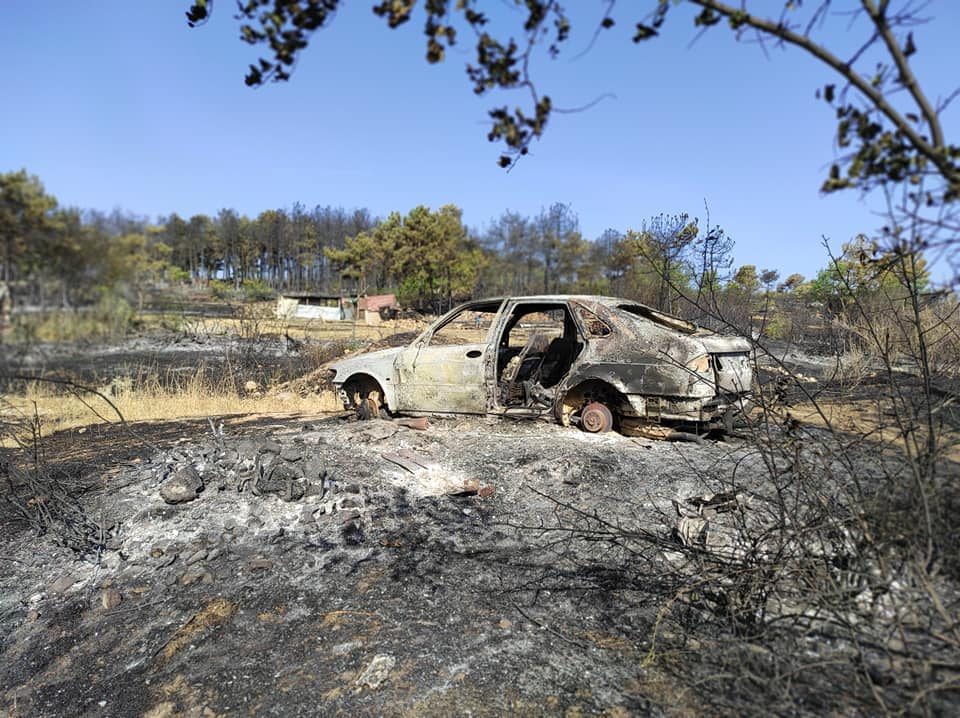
(299,572)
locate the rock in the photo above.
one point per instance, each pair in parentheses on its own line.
(195,575)
(167,559)
(111,598)
(282,478)
(342,649)
(269,447)
(196,556)
(469,487)
(62,584)
(377,671)
(185,485)
(259,564)
(351,534)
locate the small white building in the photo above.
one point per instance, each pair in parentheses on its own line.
(328,308)
(304,305)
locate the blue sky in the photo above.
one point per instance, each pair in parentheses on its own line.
(119,105)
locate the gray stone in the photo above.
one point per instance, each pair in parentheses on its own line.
(110,598)
(342,649)
(196,556)
(259,564)
(377,671)
(284,479)
(184,485)
(195,575)
(62,584)
(269,447)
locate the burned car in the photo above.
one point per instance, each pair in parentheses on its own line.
(598,362)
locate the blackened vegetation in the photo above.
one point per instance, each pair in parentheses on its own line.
(49,502)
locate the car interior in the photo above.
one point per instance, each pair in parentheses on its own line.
(538,346)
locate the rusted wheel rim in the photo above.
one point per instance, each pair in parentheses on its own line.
(596,418)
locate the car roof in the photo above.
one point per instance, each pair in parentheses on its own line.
(612,302)
(555,298)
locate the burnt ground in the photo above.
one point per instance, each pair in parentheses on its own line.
(309,575)
(163,356)
(312,576)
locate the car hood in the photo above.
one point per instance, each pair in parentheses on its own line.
(378,363)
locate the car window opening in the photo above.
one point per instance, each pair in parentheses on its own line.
(664,320)
(469,326)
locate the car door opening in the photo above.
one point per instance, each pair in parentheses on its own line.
(538,345)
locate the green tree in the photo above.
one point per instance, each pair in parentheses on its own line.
(792,283)
(434,258)
(746,281)
(26,215)
(666,242)
(864,274)
(367,258)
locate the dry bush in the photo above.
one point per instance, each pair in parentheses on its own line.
(47,500)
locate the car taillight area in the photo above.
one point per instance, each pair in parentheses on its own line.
(733,372)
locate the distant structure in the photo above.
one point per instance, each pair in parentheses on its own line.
(333,308)
(378,307)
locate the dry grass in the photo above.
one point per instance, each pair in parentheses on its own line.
(146,395)
(256,321)
(872,419)
(203,394)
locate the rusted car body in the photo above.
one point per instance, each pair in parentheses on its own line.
(600,362)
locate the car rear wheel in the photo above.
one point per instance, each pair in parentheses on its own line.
(596,418)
